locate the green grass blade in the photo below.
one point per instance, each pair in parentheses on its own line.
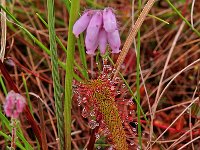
(157,18)
(3,85)
(69,72)
(138,83)
(19,24)
(7,123)
(81,49)
(67,4)
(57,39)
(182,17)
(82,55)
(9,138)
(55,72)
(27,94)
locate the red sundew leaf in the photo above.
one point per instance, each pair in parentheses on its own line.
(131,106)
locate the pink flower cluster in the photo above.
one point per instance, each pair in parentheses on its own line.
(14,104)
(101,28)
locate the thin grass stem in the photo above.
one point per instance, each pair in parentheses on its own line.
(55,73)
(69,72)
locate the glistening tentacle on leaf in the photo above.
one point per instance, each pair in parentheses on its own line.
(100,94)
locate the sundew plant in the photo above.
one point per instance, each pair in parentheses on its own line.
(113,75)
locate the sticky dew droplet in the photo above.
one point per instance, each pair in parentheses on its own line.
(113,71)
(111,148)
(112,88)
(123,85)
(93,124)
(84,99)
(118,92)
(132,143)
(92,113)
(79,100)
(84,113)
(97,136)
(117,79)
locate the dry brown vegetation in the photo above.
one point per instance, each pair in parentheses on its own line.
(170,60)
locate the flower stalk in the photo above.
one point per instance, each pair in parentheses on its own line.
(75,4)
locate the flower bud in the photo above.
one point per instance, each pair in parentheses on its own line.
(109,20)
(102,41)
(14,104)
(114,41)
(82,23)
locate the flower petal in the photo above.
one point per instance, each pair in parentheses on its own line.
(102,41)
(91,46)
(109,20)
(114,41)
(82,23)
(91,39)
(94,27)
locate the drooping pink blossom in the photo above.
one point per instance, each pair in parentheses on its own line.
(114,41)
(92,33)
(14,104)
(90,46)
(82,23)
(109,20)
(102,41)
(101,28)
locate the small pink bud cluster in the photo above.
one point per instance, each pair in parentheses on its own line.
(14,104)
(101,28)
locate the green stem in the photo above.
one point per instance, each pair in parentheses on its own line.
(138,83)
(27,94)
(55,72)
(184,19)
(3,85)
(75,4)
(6,136)
(82,55)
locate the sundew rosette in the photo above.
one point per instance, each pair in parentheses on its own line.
(101,30)
(105,110)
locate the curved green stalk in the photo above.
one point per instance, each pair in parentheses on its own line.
(69,72)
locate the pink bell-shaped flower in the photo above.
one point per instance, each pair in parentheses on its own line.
(101,28)
(92,33)
(14,104)
(82,23)
(109,20)
(102,41)
(114,41)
